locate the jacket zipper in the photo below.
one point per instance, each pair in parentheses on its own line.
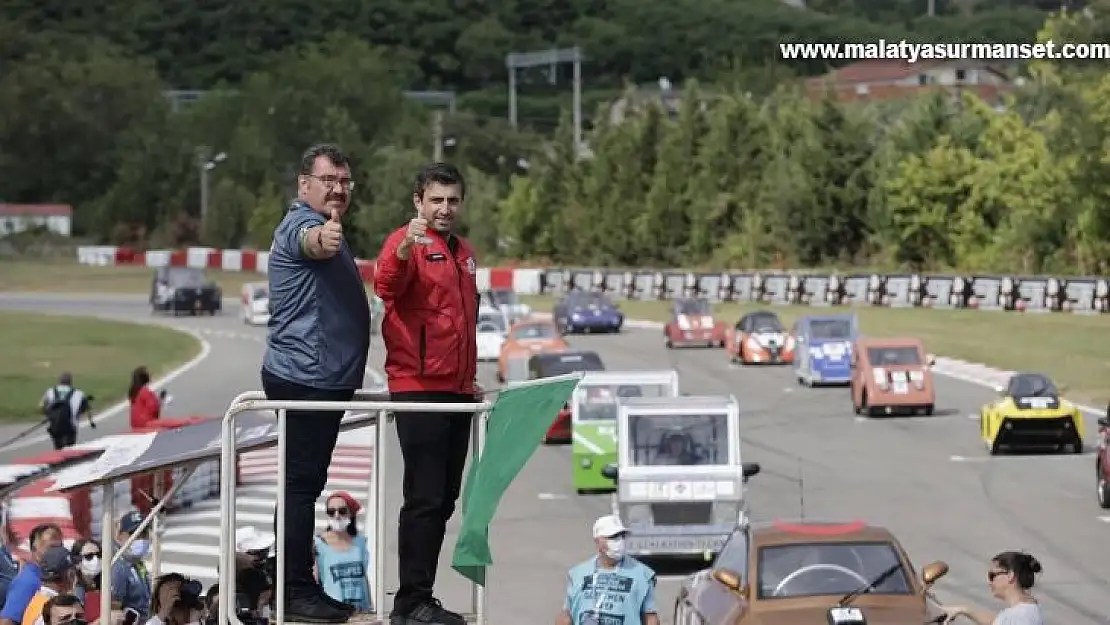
(423,347)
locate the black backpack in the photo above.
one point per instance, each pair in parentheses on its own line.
(59,413)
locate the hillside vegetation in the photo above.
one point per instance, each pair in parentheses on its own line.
(759,175)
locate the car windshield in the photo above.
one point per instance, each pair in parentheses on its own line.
(563,364)
(805,570)
(598,402)
(692,307)
(765,323)
(585,300)
(503,298)
(1032,385)
(186,277)
(887,356)
(830,328)
(534,332)
(260,292)
(680,439)
(491,322)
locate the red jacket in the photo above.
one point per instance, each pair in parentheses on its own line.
(431,315)
(145,408)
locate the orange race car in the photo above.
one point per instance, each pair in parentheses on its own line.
(892,375)
(760,338)
(527,337)
(692,323)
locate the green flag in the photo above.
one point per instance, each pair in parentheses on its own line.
(517,424)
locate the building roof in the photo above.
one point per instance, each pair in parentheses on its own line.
(888,70)
(36,210)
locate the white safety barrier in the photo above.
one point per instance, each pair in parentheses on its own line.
(377,412)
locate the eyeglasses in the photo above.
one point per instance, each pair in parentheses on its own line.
(76,619)
(90,556)
(337,511)
(993,574)
(331,181)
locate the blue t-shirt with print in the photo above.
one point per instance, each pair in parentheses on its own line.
(617,596)
(319,330)
(23,587)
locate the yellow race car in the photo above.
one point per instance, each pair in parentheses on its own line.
(1030,414)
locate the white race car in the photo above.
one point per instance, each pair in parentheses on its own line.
(255,303)
(493,326)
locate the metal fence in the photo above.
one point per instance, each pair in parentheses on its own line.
(378,413)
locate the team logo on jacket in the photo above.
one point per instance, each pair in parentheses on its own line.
(471,266)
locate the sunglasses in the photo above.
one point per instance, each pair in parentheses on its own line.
(337,511)
(78,619)
(993,574)
(90,556)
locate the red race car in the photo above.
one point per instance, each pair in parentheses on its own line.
(1102,462)
(692,323)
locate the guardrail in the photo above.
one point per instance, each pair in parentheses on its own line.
(377,413)
(1090,295)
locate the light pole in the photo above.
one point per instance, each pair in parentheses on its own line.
(550,58)
(205,164)
(438,99)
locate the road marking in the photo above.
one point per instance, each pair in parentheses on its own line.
(550,496)
(862,419)
(1017,458)
(972,416)
(1104,519)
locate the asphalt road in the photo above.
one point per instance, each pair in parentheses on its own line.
(927,478)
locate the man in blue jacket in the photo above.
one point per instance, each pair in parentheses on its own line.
(317,348)
(29,580)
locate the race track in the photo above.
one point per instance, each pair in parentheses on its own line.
(927,478)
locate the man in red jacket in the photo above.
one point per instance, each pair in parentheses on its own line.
(426,279)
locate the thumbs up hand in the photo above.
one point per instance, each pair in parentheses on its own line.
(331,235)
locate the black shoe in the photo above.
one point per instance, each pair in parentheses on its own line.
(430,612)
(336,603)
(311,608)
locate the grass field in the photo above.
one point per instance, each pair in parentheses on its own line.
(1073,349)
(69,277)
(100,354)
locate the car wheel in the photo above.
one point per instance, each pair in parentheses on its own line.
(1077,447)
(929,409)
(1102,491)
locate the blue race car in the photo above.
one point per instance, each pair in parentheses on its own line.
(823,348)
(582,311)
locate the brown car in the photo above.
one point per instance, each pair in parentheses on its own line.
(891,375)
(795,573)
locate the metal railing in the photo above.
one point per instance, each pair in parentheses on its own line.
(376,411)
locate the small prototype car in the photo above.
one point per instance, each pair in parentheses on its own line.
(1030,414)
(1102,463)
(531,336)
(760,338)
(692,323)
(493,327)
(823,349)
(803,573)
(507,302)
(586,311)
(680,479)
(593,412)
(255,303)
(184,290)
(892,375)
(561,363)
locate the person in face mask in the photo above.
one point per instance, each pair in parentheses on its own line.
(87,555)
(610,587)
(131,586)
(342,555)
(59,576)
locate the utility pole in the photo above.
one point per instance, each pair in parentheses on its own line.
(206,162)
(551,59)
(932,8)
(437,136)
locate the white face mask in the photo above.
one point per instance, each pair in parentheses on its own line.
(614,548)
(338,525)
(139,548)
(91,567)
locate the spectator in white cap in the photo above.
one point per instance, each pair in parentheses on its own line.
(610,588)
(252,547)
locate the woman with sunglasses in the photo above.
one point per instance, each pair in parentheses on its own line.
(87,554)
(342,555)
(1010,577)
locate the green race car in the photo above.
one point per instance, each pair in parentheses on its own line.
(593,409)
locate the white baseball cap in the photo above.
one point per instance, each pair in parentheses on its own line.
(250,539)
(608,527)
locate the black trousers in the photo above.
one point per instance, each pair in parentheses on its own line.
(434,446)
(312,435)
(67,438)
